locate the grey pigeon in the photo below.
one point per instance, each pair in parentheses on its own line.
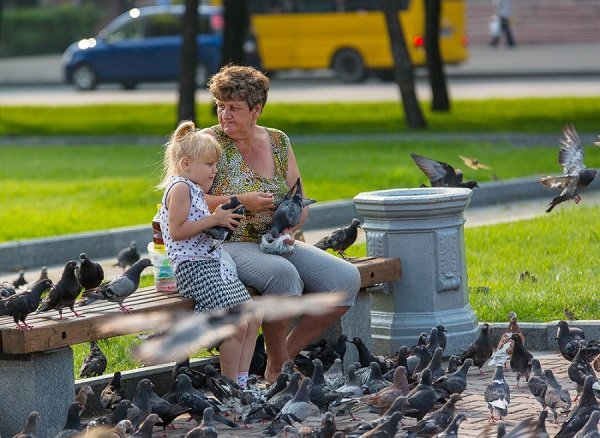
(128,255)
(279,385)
(453,362)
(6,289)
(537,382)
(435,364)
(441,174)
(90,274)
(579,369)
(31,426)
(437,421)
(480,350)
(590,429)
(375,381)
(319,393)
(117,290)
(570,339)
(43,273)
(144,430)
(352,386)
(73,424)
(112,393)
(421,399)
(206,429)
(288,212)
(64,292)
(387,429)
(94,363)
(520,359)
(581,412)
(497,394)
(576,176)
(452,429)
(340,239)
(299,405)
(22,304)
(223,233)
(20,280)
(334,376)
(453,383)
(556,397)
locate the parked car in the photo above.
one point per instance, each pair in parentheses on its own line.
(144,45)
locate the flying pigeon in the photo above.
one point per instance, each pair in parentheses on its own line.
(184,333)
(22,304)
(223,233)
(128,256)
(441,174)
(576,176)
(117,290)
(474,163)
(95,362)
(89,274)
(288,212)
(64,292)
(341,239)
(20,280)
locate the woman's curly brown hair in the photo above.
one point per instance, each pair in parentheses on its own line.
(242,83)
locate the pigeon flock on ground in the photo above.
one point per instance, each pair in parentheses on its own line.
(407,394)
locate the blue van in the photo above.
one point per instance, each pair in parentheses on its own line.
(144,45)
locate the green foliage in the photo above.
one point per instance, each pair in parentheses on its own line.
(45,30)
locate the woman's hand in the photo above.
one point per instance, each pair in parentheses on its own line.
(226,217)
(257,201)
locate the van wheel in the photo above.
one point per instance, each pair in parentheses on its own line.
(84,78)
(348,66)
(201,76)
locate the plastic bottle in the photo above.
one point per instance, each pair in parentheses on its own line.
(157,238)
(164,278)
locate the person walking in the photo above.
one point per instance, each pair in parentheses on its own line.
(503,16)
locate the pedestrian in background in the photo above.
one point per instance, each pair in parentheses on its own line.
(502,17)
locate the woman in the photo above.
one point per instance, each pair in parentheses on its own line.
(259,167)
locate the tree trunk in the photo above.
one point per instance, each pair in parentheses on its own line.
(435,65)
(187,79)
(403,68)
(236,24)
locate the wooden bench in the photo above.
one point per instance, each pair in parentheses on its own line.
(43,356)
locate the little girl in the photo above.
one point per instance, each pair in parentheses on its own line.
(190,166)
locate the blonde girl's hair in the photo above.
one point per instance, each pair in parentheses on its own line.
(187,142)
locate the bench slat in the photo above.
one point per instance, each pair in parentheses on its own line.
(49,332)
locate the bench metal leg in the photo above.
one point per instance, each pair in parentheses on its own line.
(40,382)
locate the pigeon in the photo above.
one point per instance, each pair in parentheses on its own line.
(375,381)
(441,331)
(64,292)
(382,400)
(288,212)
(43,273)
(7,289)
(183,367)
(22,304)
(334,376)
(520,360)
(206,429)
(95,362)
(340,239)
(581,412)
(20,280)
(474,163)
(219,233)
(185,332)
(144,430)
(117,290)
(112,393)
(352,386)
(556,397)
(590,429)
(569,314)
(421,399)
(580,368)
(480,350)
(441,174)
(576,176)
(513,327)
(454,383)
(82,397)
(386,429)
(497,394)
(435,364)
(453,362)
(452,429)
(437,421)
(31,426)
(537,383)
(73,424)
(89,274)
(299,405)
(365,357)
(128,256)
(570,339)
(530,427)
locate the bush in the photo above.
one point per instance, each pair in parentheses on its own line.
(40,30)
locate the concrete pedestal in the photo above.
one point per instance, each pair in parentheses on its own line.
(424,228)
(40,382)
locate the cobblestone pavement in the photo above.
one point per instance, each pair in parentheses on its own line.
(522,406)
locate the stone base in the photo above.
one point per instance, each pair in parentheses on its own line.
(40,382)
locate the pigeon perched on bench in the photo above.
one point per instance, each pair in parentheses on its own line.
(22,304)
(89,273)
(341,239)
(117,290)
(64,292)
(441,174)
(576,176)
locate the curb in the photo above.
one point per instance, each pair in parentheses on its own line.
(33,253)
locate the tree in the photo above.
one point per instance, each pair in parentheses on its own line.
(437,77)
(403,67)
(187,80)
(236,25)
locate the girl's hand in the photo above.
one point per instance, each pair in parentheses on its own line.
(227,218)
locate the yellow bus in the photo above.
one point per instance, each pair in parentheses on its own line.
(348,36)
